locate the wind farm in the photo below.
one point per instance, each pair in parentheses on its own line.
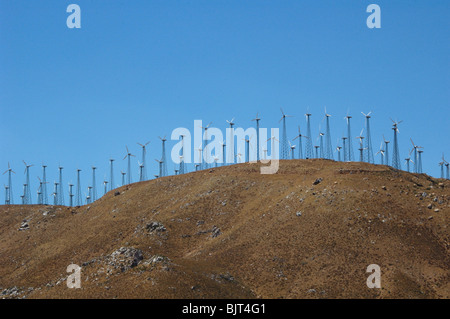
(218,150)
(206,156)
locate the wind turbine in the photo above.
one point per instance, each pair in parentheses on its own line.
(9,195)
(182,164)
(257,119)
(328,146)
(231,142)
(370,158)
(317,150)
(160,163)
(89,197)
(441,164)
(386,144)
(61,189)
(338,150)
(123,177)
(105,185)
(292,149)
(111,174)
(247,148)
(78,198)
(322,150)
(71,194)
(129,180)
(6,194)
(44,189)
(200,156)
(223,144)
(420,160)
(239,156)
(309,146)
(408,161)
(350,155)
(361,148)
(300,147)
(163,156)
(416,156)
(94,187)
(56,194)
(381,152)
(141,171)
(396,157)
(39,192)
(344,139)
(144,152)
(284,140)
(27,193)
(216,159)
(205,149)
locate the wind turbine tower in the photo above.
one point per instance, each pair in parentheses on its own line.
(309,146)
(160,163)
(284,140)
(144,163)
(370,158)
(129,179)
(386,144)
(6,195)
(105,184)
(61,191)
(123,177)
(111,175)
(361,147)
(338,149)
(328,146)
(163,157)
(317,150)
(230,152)
(247,149)
(441,164)
(344,147)
(292,150)
(350,155)
(396,157)
(182,164)
(55,195)
(70,194)
(300,146)
(257,119)
(322,153)
(420,161)
(27,192)
(94,188)
(205,147)
(416,156)
(78,199)
(224,146)
(381,152)
(44,185)
(9,193)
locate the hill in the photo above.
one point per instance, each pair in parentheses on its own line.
(309,231)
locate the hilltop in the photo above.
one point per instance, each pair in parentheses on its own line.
(309,231)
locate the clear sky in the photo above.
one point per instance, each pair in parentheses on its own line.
(139,69)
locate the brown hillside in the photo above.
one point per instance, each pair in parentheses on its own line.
(231,232)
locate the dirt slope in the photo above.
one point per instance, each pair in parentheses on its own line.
(231,232)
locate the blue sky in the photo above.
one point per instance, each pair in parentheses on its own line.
(139,69)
